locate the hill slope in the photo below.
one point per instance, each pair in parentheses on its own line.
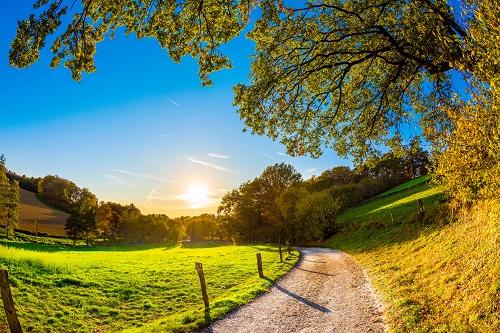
(434,275)
(50,220)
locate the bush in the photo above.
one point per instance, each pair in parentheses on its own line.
(311,217)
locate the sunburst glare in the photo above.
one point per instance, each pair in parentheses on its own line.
(196,195)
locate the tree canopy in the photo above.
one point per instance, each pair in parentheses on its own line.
(342,73)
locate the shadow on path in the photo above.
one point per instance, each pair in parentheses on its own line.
(315,272)
(303,300)
(321,262)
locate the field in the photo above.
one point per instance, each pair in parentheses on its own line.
(434,275)
(135,288)
(50,221)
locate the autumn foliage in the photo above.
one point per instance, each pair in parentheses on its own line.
(468,156)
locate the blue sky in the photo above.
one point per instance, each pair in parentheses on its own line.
(141,129)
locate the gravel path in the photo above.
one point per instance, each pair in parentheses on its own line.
(325,292)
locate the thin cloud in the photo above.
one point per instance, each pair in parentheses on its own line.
(119,180)
(281,154)
(210,165)
(311,170)
(145,176)
(150,196)
(269,157)
(173,102)
(153,197)
(215,155)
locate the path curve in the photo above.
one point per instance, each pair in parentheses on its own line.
(326,292)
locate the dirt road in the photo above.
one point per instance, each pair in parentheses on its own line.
(325,292)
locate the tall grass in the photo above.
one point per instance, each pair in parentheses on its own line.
(433,277)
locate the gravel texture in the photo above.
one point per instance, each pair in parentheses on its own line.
(325,292)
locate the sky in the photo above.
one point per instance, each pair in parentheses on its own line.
(141,129)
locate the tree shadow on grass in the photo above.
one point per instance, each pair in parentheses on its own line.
(81,248)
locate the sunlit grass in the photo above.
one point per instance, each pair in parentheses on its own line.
(433,277)
(59,289)
(402,205)
(405,186)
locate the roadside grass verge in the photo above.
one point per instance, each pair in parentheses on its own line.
(111,289)
(433,276)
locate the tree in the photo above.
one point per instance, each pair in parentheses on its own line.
(130,224)
(25,182)
(74,227)
(12,207)
(252,212)
(82,221)
(316,216)
(273,182)
(201,227)
(309,216)
(105,221)
(339,175)
(467,157)
(9,200)
(345,73)
(240,211)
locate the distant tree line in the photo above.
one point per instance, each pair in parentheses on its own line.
(113,223)
(91,220)
(278,205)
(25,182)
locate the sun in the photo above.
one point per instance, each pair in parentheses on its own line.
(197,195)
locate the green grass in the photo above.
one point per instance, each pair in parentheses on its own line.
(433,275)
(405,186)
(403,204)
(151,288)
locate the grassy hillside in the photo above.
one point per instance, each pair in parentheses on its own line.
(414,182)
(50,220)
(402,204)
(59,289)
(433,277)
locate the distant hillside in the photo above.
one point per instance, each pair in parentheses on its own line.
(50,220)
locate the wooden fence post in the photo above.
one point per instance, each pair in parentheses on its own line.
(8,303)
(201,275)
(281,253)
(259,265)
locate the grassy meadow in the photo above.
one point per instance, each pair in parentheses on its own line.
(134,288)
(433,276)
